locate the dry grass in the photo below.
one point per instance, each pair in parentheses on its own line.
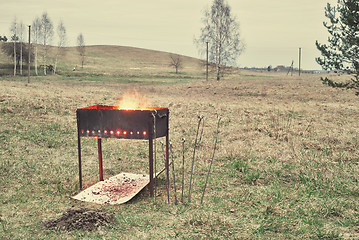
(286,164)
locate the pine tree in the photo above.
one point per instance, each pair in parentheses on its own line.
(341,54)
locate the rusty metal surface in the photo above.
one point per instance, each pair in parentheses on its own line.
(108,122)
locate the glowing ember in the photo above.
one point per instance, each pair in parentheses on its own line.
(134,101)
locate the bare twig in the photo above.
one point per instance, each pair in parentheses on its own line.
(167,180)
(183,141)
(210,166)
(194,154)
(200,136)
(173,173)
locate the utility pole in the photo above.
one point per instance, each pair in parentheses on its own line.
(207,64)
(29,59)
(300,56)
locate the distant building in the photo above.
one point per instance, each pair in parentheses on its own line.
(281,68)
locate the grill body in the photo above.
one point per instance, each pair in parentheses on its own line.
(108,122)
(100,121)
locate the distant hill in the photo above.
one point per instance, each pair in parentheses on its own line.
(113,60)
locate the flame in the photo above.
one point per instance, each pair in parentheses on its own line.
(134,101)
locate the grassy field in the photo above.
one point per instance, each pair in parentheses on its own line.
(286,164)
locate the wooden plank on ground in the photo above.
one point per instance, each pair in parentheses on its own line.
(116,190)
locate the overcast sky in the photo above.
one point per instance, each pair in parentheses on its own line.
(273,30)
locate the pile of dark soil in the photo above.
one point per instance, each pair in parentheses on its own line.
(79,218)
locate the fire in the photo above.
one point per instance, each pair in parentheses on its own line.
(134,101)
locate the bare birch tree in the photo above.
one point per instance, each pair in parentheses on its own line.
(14,38)
(61,32)
(36,35)
(221,31)
(81,48)
(21,30)
(47,32)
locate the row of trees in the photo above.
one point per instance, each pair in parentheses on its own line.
(341,54)
(42,33)
(220,32)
